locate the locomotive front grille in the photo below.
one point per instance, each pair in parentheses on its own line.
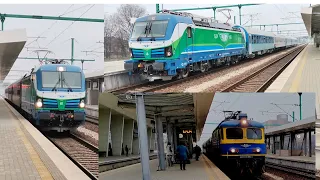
(50,103)
(73,103)
(157,53)
(137,53)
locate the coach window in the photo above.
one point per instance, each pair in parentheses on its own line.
(234,133)
(189,32)
(254,133)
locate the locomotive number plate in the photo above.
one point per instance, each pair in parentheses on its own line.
(245,156)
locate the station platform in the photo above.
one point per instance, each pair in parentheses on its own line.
(293,158)
(302,75)
(26,154)
(203,169)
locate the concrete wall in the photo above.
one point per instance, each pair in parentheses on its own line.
(118,80)
(117,124)
(104,127)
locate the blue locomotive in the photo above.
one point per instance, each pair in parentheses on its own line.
(52,96)
(238,143)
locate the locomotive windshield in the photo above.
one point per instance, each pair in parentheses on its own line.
(254,133)
(61,80)
(234,133)
(149,29)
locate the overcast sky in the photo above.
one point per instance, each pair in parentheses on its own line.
(86,34)
(254,103)
(268,14)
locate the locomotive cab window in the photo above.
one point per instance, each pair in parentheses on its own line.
(189,32)
(234,133)
(254,133)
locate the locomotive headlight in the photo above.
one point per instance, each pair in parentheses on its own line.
(244,122)
(233,150)
(61,68)
(39,103)
(258,150)
(81,105)
(168,51)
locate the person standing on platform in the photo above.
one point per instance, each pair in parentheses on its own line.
(127,150)
(197,150)
(169,154)
(182,152)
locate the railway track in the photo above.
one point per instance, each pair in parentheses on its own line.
(293,170)
(92,119)
(79,151)
(158,85)
(261,79)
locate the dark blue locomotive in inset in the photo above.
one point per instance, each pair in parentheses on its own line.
(238,143)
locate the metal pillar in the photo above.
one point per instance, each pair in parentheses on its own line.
(72,46)
(175,141)
(143,137)
(292,142)
(169,132)
(157,8)
(310,148)
(2,18)
(293,116)
(281,141)
(305,143)
(234,19)
(161,155)
(214,13)
(300,105)
(274,145)
(82,64)
(239,14)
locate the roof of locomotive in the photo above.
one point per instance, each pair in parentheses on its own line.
(237,123)
(53,67)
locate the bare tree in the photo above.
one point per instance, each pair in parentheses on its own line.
(118,28)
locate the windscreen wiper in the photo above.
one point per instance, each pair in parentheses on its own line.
(145,32)
(54,88)
(69,88)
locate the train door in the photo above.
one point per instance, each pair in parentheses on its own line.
(189,42)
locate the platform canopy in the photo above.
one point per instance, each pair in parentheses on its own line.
(11,44)
(182,109)
(311,19)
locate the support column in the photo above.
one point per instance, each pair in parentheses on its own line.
(104,128)
(128,134)
(274,145)
(159,127)
(143,141)
(175,140)
(305,143)
(117,134)
(310,148)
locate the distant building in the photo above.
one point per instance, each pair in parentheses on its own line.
(281,120)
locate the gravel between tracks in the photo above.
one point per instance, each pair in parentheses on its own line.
(80,153)
(87,133)
(215,81)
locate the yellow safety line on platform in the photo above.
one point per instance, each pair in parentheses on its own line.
(37,162)
(296,81)
(206,166)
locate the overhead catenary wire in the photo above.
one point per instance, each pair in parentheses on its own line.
(68,27)
(49,27)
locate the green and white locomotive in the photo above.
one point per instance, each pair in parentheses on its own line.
(52,96)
